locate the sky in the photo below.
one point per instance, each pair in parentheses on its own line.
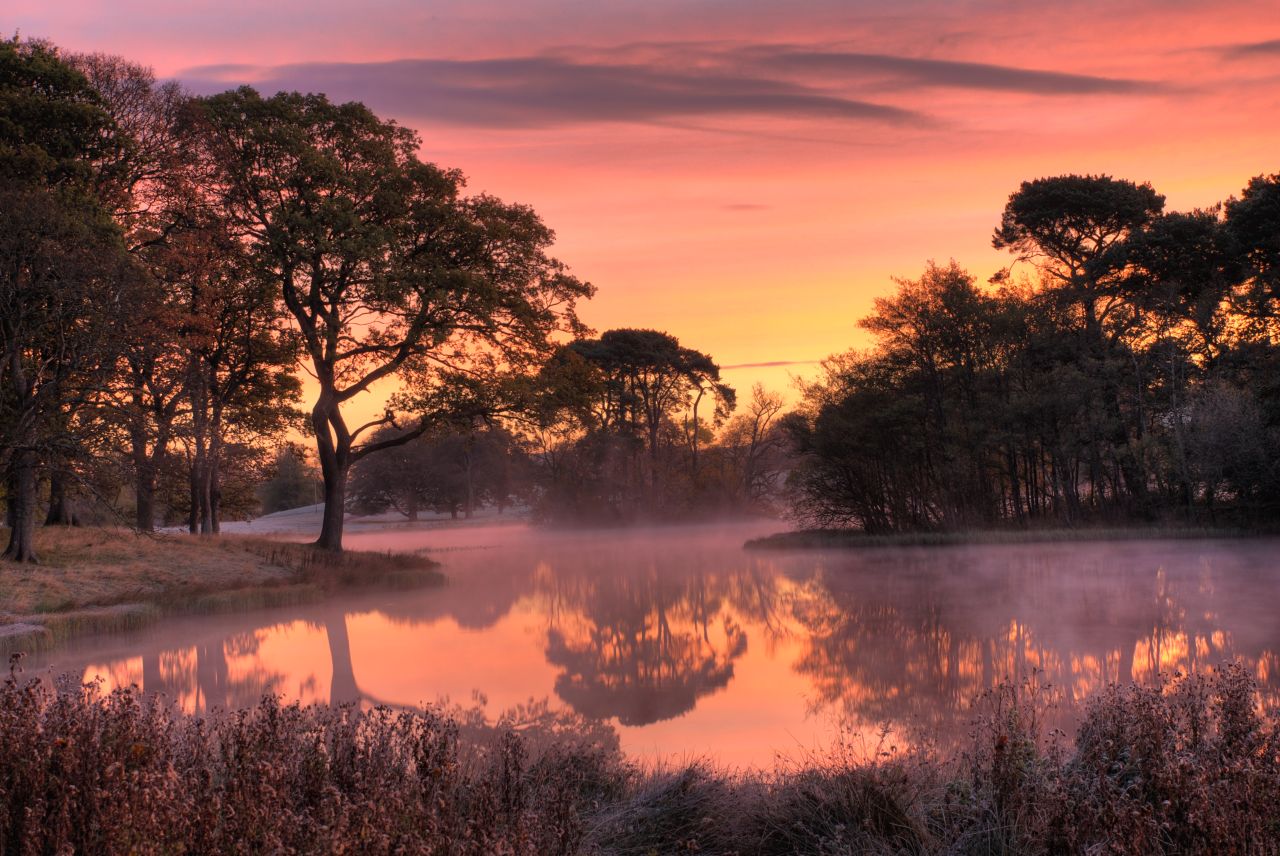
(750,176)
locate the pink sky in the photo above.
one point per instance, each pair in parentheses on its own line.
(749,176)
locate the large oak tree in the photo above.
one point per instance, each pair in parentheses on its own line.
(387,269)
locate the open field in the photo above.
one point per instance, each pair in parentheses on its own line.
(100,580)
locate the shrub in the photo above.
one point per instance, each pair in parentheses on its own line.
(1185,767)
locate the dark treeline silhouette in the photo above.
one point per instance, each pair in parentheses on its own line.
(168,263)
(625,427)
(1129,377)
(172,264)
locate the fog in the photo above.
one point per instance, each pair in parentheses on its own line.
(688,645)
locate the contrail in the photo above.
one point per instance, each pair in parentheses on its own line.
(772,364)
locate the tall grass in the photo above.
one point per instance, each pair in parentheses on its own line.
(1189,767)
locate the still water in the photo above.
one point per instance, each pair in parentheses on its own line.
(687,645)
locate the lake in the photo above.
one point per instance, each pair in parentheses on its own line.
(688,645)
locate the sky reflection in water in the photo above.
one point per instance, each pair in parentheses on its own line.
(689,645)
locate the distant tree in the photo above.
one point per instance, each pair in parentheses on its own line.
(1186,267)
(754,445)
(293,483)
(453,471)
(385,268)
(646,380)
(626,411)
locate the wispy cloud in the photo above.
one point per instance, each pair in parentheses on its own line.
(550,91)
(660,82)
(774,364)
(1251,49)
(918,72)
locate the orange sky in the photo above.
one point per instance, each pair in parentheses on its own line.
(748,176)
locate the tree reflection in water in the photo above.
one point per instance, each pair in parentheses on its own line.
(643,649)
(912,637)
(638,632)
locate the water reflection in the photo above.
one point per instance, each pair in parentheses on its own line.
(688,645)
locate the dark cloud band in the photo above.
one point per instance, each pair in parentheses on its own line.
(651,83)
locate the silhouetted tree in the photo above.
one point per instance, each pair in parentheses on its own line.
(385,268)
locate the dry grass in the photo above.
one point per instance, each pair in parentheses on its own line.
(105,580)
(1190,768)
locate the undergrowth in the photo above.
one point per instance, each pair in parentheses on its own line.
(1186,767)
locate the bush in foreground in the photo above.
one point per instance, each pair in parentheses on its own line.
(1189,767)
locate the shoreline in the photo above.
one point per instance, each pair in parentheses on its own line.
(857,539)
(112,580)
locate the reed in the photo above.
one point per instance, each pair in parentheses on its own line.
(1187,767)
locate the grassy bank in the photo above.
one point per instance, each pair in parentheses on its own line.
(856,538)
(94,580)
(1190,768)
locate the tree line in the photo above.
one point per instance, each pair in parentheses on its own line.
(1124,368)
(168,261)
(170,265)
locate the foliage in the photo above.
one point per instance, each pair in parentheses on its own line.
(454,471)
(385,267)
(640,407)
(1130,380)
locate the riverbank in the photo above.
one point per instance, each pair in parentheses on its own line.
(97,580)
(838,539)
(1190,767)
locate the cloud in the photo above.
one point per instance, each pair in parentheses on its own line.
(653,83)
(549,91)
(1250,49)
(774,364)
(913,71)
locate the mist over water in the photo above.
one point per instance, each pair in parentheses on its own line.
(689,645)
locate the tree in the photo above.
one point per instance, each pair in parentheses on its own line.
(755,446)
(293,483)
(62,269)
(451,471)
(645,378)
(385,268)
(1076,229)
(1253,221)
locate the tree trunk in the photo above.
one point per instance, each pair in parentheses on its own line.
(61,508)
(193,485)
(334,452)
(215,499)
(210,482)
(335,495)
(146,465)
(145,489)
(22,501)
(471,491)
